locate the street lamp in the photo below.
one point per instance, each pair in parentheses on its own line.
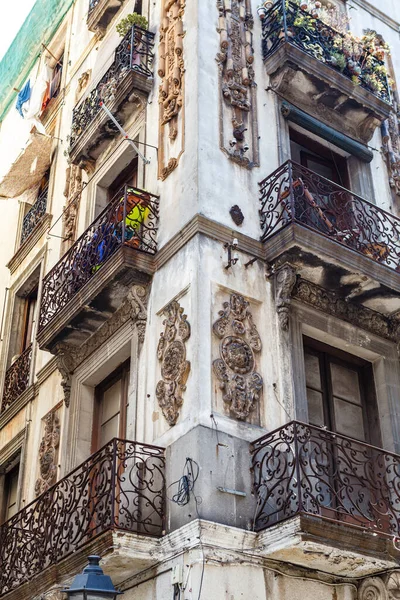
(92,584)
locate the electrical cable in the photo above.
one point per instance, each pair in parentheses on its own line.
(186,483)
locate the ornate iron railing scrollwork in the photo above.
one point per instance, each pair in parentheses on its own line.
(34,216)
(286,22)
(294,194)
(16,379)
(122,486)
(302,469)
(129,220)
(133,54)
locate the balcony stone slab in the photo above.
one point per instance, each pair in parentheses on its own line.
(130,95)
(102,14)
(336,268)
(98,300)
(320,90)
(336,549)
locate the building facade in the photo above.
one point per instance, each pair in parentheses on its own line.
(200,293)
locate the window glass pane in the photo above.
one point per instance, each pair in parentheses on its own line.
(315,408)
(12,492)
(349,419)
(111,401)
(109,430)
(313,375)
(345,383)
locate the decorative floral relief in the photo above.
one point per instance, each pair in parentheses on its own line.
(48,453)
(171,92)
(235,369)
(238,113)
(171,353)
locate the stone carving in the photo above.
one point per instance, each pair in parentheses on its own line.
(171,353)
(361,316)
(238,127)
(390,129)
(285,280)
(172,89)
(48,453)
(393,585)
(72,192)
(235,369)
(82,84)
(372,588)
(70,357)
(237,215)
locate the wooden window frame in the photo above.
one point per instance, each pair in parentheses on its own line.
(121,373)
(328,355)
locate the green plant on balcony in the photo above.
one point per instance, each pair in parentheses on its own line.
(132,19)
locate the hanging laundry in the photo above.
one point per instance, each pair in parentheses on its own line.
(39,88)
(23,97)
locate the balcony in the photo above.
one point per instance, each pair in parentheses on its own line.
(34,216)
(17,379)
(130,72)
(316,489)
(119,490)
(92,279)
(100,14)
(332,236)
(308,63)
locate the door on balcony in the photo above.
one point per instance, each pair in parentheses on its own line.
(322,206)
(9,493)
(111,405)
(128,176)
(338,462)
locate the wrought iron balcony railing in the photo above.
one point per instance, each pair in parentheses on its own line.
(301,469)
(129,220)
(34,215)
(16,379)
(133,54)
(286,22)
(294,194)
(122,486)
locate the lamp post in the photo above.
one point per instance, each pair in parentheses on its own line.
(92,584)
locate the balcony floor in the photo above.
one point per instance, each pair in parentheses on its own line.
(98,299)
(340,550)
(335,267)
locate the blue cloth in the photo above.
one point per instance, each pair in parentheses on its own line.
(23,97)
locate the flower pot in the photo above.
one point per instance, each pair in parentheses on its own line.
(261,12)
(304,5)
(268,4)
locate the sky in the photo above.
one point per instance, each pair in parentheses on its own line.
(11,20)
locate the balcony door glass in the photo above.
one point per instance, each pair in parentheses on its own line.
(10,493)
(339,472)
(111,407)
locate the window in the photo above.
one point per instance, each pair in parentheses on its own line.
(53,88)
(128,176)
(318,158)
(340,392)
(111,404)
(29,319)
(10,493)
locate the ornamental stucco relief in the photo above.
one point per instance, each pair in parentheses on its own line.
(171,353)
(238,127)
(235,369)
(48,453)
(171,95)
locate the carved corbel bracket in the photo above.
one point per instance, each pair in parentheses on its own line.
(285,280)
(65,365)
(373,588)
(171,352)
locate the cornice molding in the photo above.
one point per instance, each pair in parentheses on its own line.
(9,450)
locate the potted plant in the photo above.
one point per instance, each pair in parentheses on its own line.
(132,19)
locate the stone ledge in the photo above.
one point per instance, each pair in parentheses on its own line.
(29,243)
